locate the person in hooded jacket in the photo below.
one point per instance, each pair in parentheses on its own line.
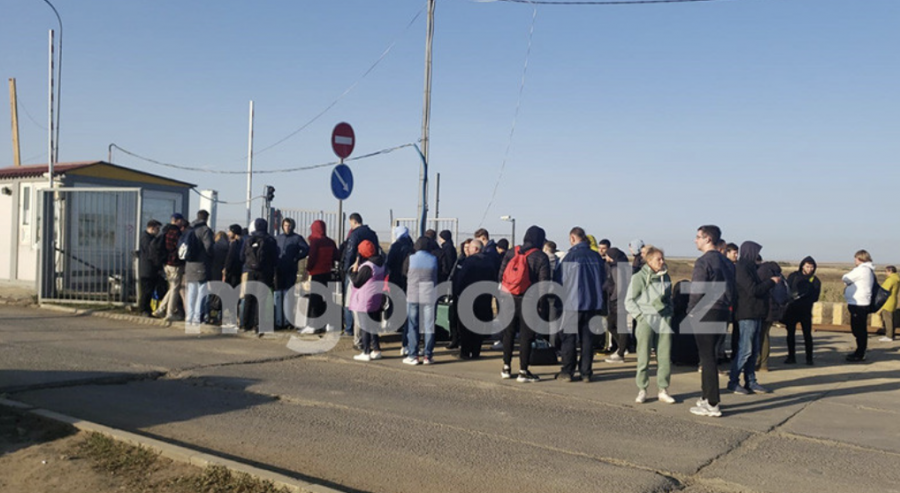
(889,312)
(538,270)
(198,271)
(323,254)
(858,292)
(367,278)
(778,299)
(260,257)
(805,288)
(750,311)
(473,326)
(649,301)
(448,255)
(148,266)
(617,279)
(292,248)
(400,250)
(421,271)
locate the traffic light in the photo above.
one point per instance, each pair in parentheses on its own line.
(270,193)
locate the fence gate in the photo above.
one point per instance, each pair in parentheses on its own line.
(89,242)
(438,224)
(304,220)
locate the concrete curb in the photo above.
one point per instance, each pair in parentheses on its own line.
(174,452)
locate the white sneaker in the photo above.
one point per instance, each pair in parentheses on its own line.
(374,355)
(410,361)
(664,397)
(706,410)
(330,328)
(700,402)
(615,358)
(404,351)
(885,339)
(307,331)
(641,397)
(427,361)
(362,357)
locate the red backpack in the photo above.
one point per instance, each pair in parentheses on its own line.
(516,279)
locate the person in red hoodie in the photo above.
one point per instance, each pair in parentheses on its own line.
(323,253)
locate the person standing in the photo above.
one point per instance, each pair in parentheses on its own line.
(367,278)
(359,232)
(490,248)
(148,266)
(750,311)
(448,255)
(649,301)
(805,288)
(889,312)
(858,292)
(582,273)
(322,255)
(219,256)
(400,250)
(616,278)
(292,248)
(636,247)
(421,271)
(521,267)
(711,267)
(260,255)
(778,299)
(197,267)
(174,268)
(231,271)
(476,268)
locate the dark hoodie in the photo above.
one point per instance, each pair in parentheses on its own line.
(538,263)
(292,248)
(260,254)
(752,292)
(397,255)
(322,250)
(778,296)
(612,278)
(804,290)
(448,257)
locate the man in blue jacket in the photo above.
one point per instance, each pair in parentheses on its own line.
(581,273)
(292,248)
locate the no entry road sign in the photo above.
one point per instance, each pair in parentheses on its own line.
(343,140)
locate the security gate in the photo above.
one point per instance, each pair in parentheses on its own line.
(89,243)
(438,224)
(304,220)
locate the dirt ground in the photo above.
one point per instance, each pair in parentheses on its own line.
(38,456)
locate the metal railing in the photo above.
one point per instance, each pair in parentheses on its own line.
(437,224)
(305,218)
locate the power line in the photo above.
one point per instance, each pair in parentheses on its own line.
(384,54)
(21,105)
(258,172)
(512,130)
(242,202)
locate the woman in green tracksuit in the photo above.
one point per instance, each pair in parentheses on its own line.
(649,301)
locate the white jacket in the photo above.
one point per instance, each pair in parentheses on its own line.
(860,282)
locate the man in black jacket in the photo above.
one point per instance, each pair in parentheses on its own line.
(359,233)
(538,270)
(400,250)
(710,271)
(260,255)
(149,266)
(751,309)
(473,326)
(805,288)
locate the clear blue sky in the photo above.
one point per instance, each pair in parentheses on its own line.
(779,120)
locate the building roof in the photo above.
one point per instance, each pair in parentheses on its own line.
(89,168)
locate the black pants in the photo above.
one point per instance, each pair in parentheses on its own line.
(805,321)
(569,350)
(317,304)
(706,347)
(526,336)
(735,339)
(148,285)
(619,337)
(859,321)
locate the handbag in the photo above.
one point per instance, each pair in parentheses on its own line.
(542,353)
(879,295)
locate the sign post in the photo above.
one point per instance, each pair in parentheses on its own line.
(343,140)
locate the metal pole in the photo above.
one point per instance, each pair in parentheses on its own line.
(426,120)
(513,242)
(437,197)
(50,117)
(250,166)
(58,80)
(14,111)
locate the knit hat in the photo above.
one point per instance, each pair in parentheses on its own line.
(446,235)
(366,249)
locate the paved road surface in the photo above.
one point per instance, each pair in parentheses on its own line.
(454,426)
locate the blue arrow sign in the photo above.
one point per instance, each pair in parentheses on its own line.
(341,181)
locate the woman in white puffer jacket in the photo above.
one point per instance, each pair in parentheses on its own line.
(860,281)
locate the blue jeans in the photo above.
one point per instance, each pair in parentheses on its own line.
(414,310)
(196,294)
(348,315)
(748,351)
(280,320)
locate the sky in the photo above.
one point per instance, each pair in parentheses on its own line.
(775,119)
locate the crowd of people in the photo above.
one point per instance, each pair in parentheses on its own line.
(564,303)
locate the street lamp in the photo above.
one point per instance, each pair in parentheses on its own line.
(513,221)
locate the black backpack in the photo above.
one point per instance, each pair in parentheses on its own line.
(256,253)
(189,246)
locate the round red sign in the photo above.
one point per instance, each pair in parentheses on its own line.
(343,140)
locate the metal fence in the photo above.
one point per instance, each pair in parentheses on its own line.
(304,220)
(437,224)
(89,240)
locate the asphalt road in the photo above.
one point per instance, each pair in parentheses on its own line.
(455,426)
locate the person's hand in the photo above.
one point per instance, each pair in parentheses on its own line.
(776,279)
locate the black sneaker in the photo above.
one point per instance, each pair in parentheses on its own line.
(527,377)
(854,358)
(790,360)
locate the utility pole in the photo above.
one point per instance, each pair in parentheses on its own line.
(50,154)
(437,197)
(426,121)
(14,111)
(250,166)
